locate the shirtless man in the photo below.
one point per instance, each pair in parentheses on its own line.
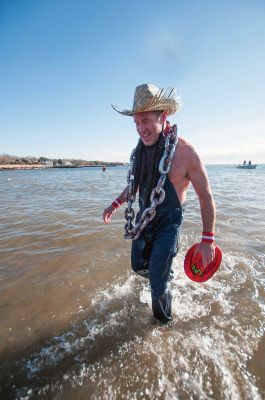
(153,251)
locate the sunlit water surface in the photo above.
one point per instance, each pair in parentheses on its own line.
(76,322)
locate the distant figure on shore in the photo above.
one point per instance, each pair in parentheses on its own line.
(103,168)
(244,163)
(249,163)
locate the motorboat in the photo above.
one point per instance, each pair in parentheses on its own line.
(247,166)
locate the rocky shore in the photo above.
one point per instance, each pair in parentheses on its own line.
(11,163)
(12,167)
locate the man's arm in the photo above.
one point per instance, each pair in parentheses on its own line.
(199,179)
(108,212)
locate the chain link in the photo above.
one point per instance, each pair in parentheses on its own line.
(158,193)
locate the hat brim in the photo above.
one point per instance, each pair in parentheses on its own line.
(170,108)
(128,113)
(193,265)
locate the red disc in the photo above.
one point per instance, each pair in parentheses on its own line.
(193,265)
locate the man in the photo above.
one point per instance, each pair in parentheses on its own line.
(153,250)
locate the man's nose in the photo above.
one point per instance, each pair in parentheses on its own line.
(141,129)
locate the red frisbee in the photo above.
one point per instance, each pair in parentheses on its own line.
(193,265)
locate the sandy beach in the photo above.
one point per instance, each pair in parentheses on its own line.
(6,167)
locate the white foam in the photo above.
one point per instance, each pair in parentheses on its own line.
(207,338)
(145,294)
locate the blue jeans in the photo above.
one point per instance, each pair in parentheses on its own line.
(152,255)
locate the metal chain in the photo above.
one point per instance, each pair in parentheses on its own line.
(157,195)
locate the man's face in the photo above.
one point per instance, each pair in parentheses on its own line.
(148,125)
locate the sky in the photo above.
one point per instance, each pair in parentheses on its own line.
(63,62)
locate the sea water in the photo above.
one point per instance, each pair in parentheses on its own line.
(76,323)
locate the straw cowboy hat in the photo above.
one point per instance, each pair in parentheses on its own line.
(148,97)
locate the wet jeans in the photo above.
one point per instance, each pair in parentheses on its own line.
(152,255)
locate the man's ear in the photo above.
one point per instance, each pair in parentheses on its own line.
(163,116)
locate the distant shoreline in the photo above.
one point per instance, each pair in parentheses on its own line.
(9,167)
(20,167)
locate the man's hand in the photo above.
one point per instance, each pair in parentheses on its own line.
(107,214)
(207,251)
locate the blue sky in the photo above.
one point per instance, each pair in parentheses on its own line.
(62,63)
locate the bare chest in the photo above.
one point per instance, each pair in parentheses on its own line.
(178,173)
(178,169)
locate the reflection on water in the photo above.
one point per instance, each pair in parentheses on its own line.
(76,323)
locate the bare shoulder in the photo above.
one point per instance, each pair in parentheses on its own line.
(185,147)
(184,159)
(185,167)
(187,155)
